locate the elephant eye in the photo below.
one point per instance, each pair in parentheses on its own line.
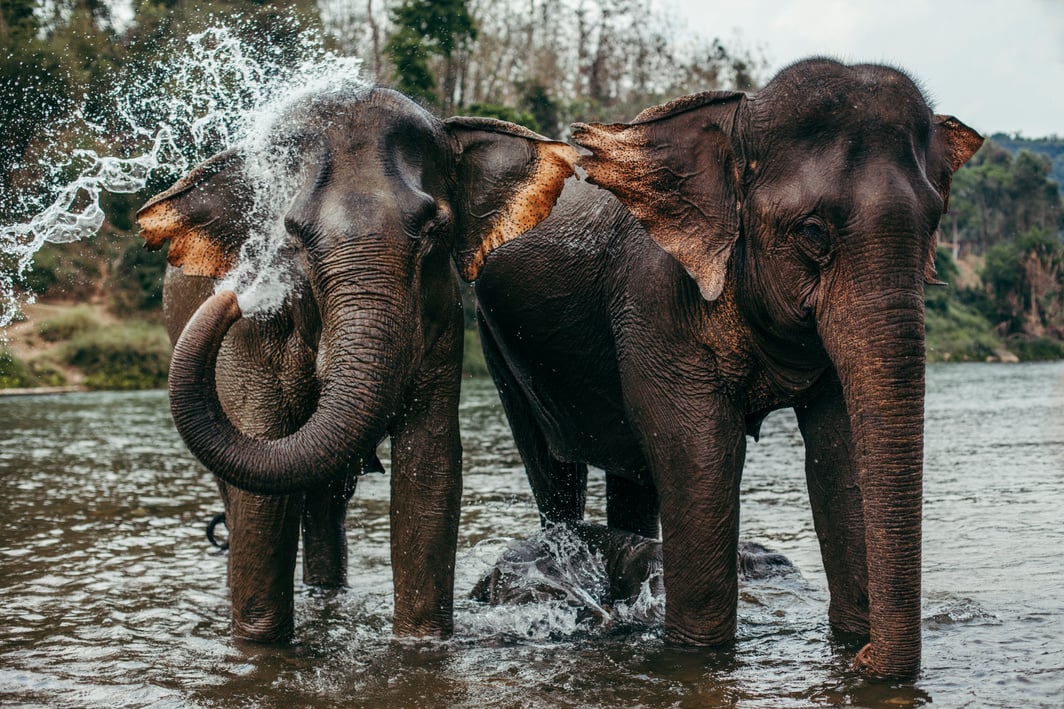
(813,239)
(439,223)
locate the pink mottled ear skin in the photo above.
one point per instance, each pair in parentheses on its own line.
(509,180)
(202,216)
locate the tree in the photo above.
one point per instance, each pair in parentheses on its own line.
(1026,281)
(425,29)
(996,197)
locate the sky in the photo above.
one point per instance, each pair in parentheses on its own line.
(997,65)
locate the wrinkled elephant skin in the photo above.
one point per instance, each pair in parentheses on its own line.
(747,252)
(287,408)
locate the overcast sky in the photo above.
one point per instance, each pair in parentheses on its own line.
(998,65)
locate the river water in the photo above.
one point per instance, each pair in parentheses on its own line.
(110,594)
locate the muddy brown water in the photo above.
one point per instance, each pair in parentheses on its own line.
(110,595)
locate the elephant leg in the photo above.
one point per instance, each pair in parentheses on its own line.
(559,487)
(426,494)
(631,507)
(695,444)
(325,533)
(263,538)
(838,511)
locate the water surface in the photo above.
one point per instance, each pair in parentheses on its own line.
(110,594)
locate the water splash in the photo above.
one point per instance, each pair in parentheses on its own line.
(217,93)
(555,584)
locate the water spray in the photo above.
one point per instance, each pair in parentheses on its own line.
(216,94)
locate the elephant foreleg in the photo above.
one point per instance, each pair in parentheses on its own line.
(325,533)
(426,491)
(263,537)
(838,512)
(695,444)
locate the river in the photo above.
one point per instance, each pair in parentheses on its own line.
(111,596)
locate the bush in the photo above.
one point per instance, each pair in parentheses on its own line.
(65,271)
(131,356)
(955,331)
(68,325)
(137,283)
(47,373)
(1036,349)
(14,373)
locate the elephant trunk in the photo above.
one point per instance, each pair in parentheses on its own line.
(877,345)
(350,418)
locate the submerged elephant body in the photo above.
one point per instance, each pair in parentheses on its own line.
(758,251)
(286,408)
(595,568)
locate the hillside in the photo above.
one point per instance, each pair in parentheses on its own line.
(1052,147)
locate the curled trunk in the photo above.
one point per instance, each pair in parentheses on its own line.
(346,425)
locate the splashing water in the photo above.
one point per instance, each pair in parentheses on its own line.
(564,585)
(218,93)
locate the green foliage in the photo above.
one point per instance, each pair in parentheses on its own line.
(1051,147)
(131,356)
(137,283)
(425,29)
(68,325)
(70,271)
(996,197)
(14,373)
(1036,349)
(545,111)
(47,373)
(954,330)
(443,25)
(503,113)
(412,74)
(1025,280)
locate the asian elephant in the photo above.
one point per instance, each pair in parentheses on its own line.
(287,408)
(559,564)
(749,252)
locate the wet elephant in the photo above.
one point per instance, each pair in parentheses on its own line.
(560,563)
(287,408)
(753,252)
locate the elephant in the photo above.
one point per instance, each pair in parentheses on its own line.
(731,254)
(286,407)
(553,565)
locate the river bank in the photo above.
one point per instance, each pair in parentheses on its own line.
(62,346)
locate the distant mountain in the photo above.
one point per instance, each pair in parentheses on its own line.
(1052,147)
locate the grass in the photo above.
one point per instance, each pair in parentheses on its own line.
(1036,349)
(14,373)
(134,355)
(958,333)
(65,326)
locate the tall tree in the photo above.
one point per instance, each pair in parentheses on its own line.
(425,29)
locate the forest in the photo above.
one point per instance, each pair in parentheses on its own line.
(540,63)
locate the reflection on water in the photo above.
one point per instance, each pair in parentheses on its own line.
(111,595)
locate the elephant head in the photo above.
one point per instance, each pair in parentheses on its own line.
(384,198)
(811,206)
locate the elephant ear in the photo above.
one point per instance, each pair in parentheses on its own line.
(675,169)
(507,181)
(203,216)
(955,143)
